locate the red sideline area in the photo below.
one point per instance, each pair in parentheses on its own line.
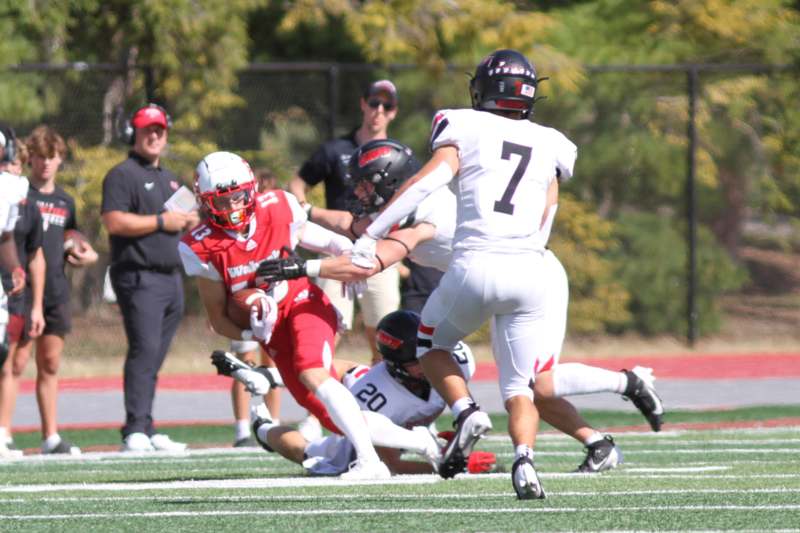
(679,366)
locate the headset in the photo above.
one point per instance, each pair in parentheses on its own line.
(9,141)
(128,132)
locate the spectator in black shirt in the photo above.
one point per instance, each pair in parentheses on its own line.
(46,150)
(144,269)
(328,164)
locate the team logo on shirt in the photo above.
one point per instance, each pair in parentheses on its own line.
(149,185)
(52,214)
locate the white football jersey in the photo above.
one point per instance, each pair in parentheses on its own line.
(506,167)
(439,210)
(378,391)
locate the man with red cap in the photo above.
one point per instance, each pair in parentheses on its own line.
(144,270)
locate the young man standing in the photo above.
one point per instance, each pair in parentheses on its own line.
(46,150)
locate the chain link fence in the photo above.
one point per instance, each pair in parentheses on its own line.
(664,151)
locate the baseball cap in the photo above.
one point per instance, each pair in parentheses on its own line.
(385,87)
(148,115)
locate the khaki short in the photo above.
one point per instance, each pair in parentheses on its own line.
(381,297)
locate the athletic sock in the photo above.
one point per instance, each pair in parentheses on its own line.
(51,442)
(594,437)
(461,405)
(576,378)
(523,450)
(345,413)
(242,428)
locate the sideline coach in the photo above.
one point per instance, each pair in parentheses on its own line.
(144,268)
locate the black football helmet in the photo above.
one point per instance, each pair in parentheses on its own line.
(504,81)
(396,337)
(386,164)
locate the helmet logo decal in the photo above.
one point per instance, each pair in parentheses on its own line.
(389,340)
(372,155)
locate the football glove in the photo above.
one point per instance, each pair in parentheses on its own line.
(261,327)
(363,252)
(272,270)
(480,462)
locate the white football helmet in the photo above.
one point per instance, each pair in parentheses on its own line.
(225,187)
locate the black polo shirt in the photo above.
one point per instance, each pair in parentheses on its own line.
(136,186)
(57,209)
(329,165)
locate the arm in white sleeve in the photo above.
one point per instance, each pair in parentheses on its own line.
(405,203)
(318,239)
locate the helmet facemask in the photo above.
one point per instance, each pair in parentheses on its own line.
(230,207)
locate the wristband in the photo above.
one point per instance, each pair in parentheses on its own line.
(159,223)
(247,335)
(313,267)
(383,267)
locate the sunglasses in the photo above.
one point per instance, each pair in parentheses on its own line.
(374,104)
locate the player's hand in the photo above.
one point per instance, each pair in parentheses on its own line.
(192,219)
(18,281)
(363,252)
(82,254)
(272,270)
(263,317)
(37,323)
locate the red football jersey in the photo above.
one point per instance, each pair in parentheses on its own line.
(236,259)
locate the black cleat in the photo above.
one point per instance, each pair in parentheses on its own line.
(641,392)
(600,456)
(470,426)
(227,363)
(260,415)
(526,480)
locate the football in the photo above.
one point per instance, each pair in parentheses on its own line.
(240,303)
(73,238)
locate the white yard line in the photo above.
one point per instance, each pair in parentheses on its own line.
(338,496)
(395,511)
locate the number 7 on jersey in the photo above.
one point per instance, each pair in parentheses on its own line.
(504,205)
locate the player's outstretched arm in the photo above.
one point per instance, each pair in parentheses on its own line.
(335,220)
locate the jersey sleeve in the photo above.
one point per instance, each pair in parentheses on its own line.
(566,153)
(316,167)
(444,130)
(194,265)
(299,217)
(117,195)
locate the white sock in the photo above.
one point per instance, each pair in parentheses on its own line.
(523,450)
(242,428)
(345,413)
(594,437)
(384,432)
(5,437)
(263,429)
(51,442)
(460,405)
(576,378)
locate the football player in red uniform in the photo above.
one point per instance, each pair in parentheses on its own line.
(295,322)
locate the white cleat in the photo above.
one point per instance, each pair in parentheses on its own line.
(526,480)
(163,443)
(366,470)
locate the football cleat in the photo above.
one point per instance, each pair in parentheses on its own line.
(259,417)
(257,380)
(642,393)
(433,451)
(600,456)
(363,469)
(526,480)
(471,425)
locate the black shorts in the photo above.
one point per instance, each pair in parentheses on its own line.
(57,319)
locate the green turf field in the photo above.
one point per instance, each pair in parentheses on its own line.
(723,479)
